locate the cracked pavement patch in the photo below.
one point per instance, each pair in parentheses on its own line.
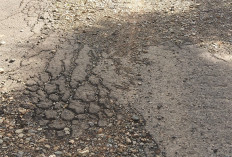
(55,98)
(91,78)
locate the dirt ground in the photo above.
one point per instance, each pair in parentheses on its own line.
(115,78)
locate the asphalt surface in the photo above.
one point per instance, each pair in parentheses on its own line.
(183,91)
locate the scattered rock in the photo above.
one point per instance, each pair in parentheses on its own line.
(1,70)
(128,141)
(71,141)
(67,131)
(100,130)
(84,152)
(22,110)
(20,135)
(41,17)
(42,140)
(2,42)
(18,131)
(159,106)
(159,117)
(58,153)
(91,124)
(53,51)
(20,154)
(28,139)
(40,129)
(12,60)
(135,118)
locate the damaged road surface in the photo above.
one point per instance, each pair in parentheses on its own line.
(59,96)
(115,78)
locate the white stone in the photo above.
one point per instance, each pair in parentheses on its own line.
(2,42)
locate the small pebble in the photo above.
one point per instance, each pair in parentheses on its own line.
(53,51)
(83,152)
(20,154)
(39,129)
(2,42)
(32,131)
(20,135)
(91,124)
(28,139)
(18,131)
(128,141)
(42,140)
(67,131)
(1,70)
(11,60)
(100,131)
(58,153)
(22,110)
(135,118)
(37,148)
(71,141)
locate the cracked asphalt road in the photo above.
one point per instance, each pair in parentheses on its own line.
(138,75)
(58,93)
